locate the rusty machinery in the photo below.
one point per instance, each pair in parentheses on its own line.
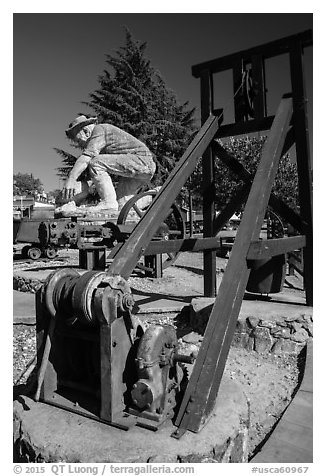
(97,359)
(94,356)
(94,237)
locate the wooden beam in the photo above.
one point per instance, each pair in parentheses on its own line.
(258,80)
(208,186)
(187,244)
(200,395)
(268,50)
(264,249)
(300,122)
(245,127)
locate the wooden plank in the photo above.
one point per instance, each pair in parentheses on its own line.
(298,435)
(208,186)
(292,439)
(300,122)
(281,452)
(187,244)
(200,395)
(175,246)
(263,249)
(258,79)
(245,127)
(301,410)
(129,253)
(268,50)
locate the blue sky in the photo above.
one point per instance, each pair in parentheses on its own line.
(57,59)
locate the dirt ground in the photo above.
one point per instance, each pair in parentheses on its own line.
(268,381)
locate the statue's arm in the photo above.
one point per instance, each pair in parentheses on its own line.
(80,165)
(94,147)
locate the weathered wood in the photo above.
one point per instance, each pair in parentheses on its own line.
(300,121)
(258,79)
(201,392)
(129,253)
(267,248)
(187,244)
(208,186)
(245,127)
(268,50)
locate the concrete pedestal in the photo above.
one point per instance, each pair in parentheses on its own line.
(43,433)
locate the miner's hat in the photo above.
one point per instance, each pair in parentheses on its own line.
(77,124)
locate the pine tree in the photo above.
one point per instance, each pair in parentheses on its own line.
(132,95)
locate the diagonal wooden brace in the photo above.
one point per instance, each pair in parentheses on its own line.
(200,395)
(237,168)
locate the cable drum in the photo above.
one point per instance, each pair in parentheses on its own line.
(82,296)
(55,289)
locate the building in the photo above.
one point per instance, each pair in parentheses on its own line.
(29,207)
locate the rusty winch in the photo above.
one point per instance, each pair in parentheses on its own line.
(97,359)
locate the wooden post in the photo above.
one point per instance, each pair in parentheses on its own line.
(258,79)
(300,122)
(207,103)
(191,217)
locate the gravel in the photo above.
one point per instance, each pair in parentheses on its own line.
(269,381)
(24,349)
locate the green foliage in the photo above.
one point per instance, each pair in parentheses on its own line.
(26,184)
(248,151)
(68,162)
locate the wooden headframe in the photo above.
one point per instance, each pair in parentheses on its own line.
(288,126)
(255,120)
